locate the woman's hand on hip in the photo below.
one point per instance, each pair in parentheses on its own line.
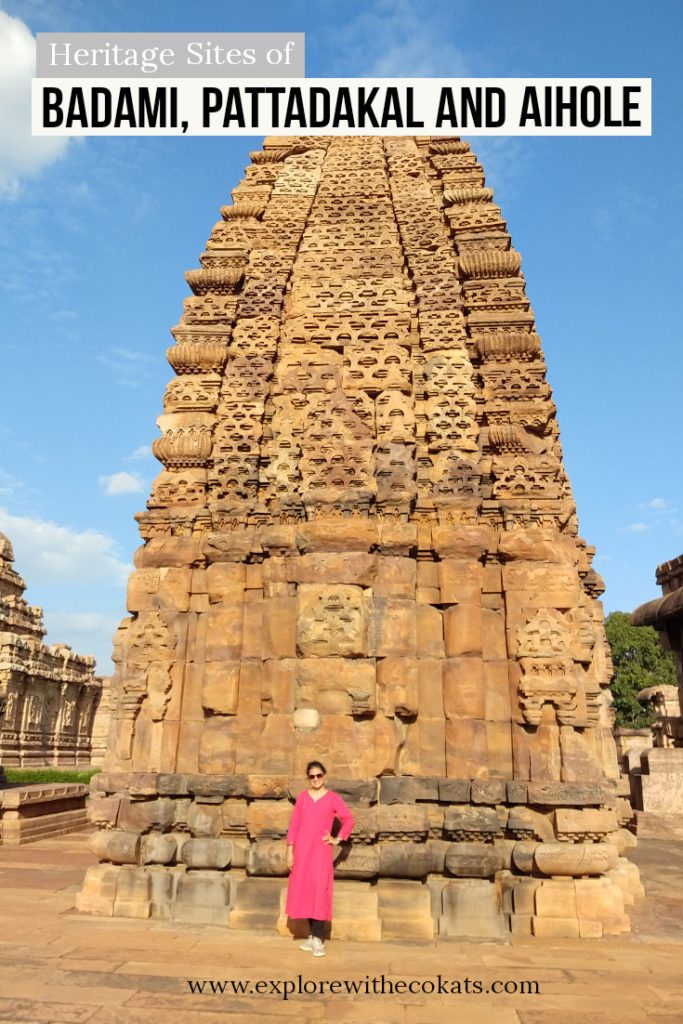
(331,840)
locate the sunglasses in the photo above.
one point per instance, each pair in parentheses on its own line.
(319,776)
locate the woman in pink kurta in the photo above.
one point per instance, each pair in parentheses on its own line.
(309,854)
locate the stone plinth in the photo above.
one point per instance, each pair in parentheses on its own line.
(362,548)
(48,695)
(33,812)
(657,786)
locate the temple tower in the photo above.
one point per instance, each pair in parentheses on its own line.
(363,548)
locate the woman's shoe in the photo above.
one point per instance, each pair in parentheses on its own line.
(308,944)
(318,947)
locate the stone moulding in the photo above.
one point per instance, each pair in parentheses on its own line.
(364,549)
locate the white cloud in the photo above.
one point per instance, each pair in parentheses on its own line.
(143,452)
(636,528)
(398,39)
(21,155)
(47,553)
(85,633)
(122,483)
(658,503)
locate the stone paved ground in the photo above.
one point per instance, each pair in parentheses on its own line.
(57,967)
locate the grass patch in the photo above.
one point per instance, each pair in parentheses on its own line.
(37,775)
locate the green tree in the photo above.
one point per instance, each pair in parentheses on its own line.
(639,661)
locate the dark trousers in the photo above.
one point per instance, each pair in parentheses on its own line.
(317,928)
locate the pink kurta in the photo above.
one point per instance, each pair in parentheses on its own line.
(309,893)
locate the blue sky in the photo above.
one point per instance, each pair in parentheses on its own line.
(95,235)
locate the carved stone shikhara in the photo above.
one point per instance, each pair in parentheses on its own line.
(48,695)
(363,548)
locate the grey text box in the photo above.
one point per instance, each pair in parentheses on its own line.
(170,54)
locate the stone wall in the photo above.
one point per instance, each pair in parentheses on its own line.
(48,695)
(363,548)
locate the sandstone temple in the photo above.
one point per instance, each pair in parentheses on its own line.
(363,548)
(48,695)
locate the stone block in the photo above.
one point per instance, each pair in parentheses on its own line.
(268,858)
(266,787)
(220,687)
(393,630)
(488,791)
(240,851)
(565,794)
(536,545)
(332,621)
(268,819)
(464,693)
(461,581)
(494,635)
(524,896)
(473,860)
(354,568)
(589,822)
(252,636)
(404,860)
(407,790)
(116,847)
(526,824)
(471,823)
(575,859)
(355,913)
(257,904)
(99,890)
(250,688)
(103,810)
(230,546)
(462,541)
(397,538)
(279,627)
(133,894)
(203,898)
(207,853)
(217,751)
(454,791)
(360,862)
(217,785)
(466,749)
(516,792)
(163,553)
(234,817)
(472,910)
(665,761)
(336,686)
(402,821)
(158,849)
(462,626)
(430,687)
(343,535)
(204,820)
(224,632)
(429,632)
(278,686)
(395,577)
(438,849)
(143,589)
(555,927)
(497,692)
(397,687)
(146,815)
(175,585)
(523,856)
(556,899)
(662,792)
(354,792)
(405,910)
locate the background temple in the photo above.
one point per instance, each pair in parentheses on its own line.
(363,547)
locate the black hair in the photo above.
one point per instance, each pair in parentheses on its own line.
(316,764)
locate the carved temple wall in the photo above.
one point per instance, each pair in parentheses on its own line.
(363,548)
(48,695)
